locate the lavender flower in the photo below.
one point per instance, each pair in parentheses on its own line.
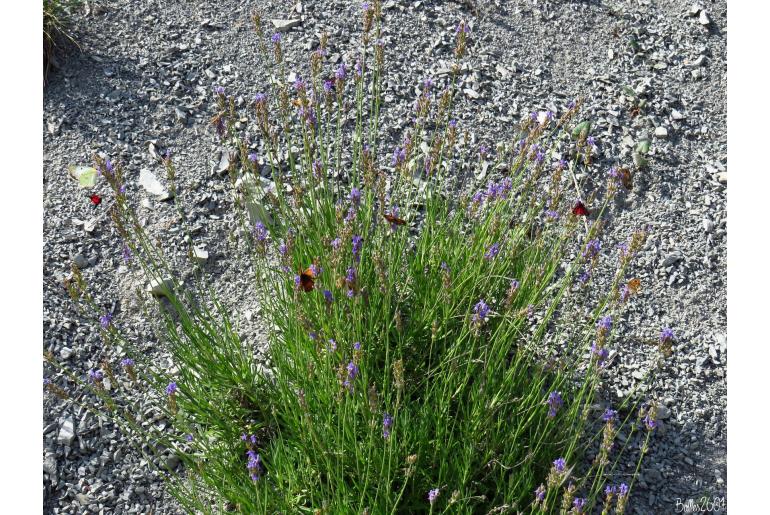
(219,90)
(584,277)
(357,346)
(355,196)
(126,254)
(336,242)
(649,422)
(480,312)
(609,415)
(332,345)
(46,381)
(555,402)
(492,252)
(351,275)
(462,27)
(353,370)
(610,490)
(299,84)
(253,157)
(453,124)
(127,362)
(551,214)
(105,320)
(571,104)
(283,249)
(591,141)
(399,156)
(578,504)
(260,232)
(328,86)
(95,375)
(601,354)
(260,98)
(604,324)
(560,464)
(592,249)
(297,281)
(539,156)
(328,296)
(341,72)
(254,465)
(562,164)
(433,495)
(387,423)
(623,490)
(109,167)
(171,388)
(625,293)
(276,38)
(189,437)
(540,493)
(666,335)
(357,244)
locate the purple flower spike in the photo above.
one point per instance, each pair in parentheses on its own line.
(127,362)
(328,296)
(387,423)
(276,38)
(609,415)
(666,335)
(171,388)
(492,252)
(105,320)
(480,312)
(604,323)
(555,402)
(253,157)
(433,495)
(560,464)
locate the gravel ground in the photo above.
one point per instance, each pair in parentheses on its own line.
(146,71)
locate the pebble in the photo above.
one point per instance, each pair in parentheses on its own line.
(708,225)
(152,185)
(66,431)
(676,115)
(199,255)
(661,132)
(161,287)
(703,19)
(80,260)
(285,25)
(722,177)
(471,93)
(672,258)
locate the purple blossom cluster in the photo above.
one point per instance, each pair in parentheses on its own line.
(492,252)
(480,312)
(555,402)
(592,249)
(105,320)
(358,243)
(387,423)
(260,232)
(433,495)
(171,389)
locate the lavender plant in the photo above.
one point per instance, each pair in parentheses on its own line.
(425,356)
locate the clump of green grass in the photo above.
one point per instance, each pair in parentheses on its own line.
(426,354)
(56,21)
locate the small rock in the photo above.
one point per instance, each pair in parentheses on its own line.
(708,225)
(172,462)
(471,93)
(200,255)
(695,9)
(663,412)
(66,431)
(676,115)
(224,163)
(722,177)
(151,184)
(703,19)
(161,287)
(80,260)
(65,353)
(180,115)
(672,258)
(661,132)
(284,25)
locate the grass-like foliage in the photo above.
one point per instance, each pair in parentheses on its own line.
(56,20)
(429,349)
